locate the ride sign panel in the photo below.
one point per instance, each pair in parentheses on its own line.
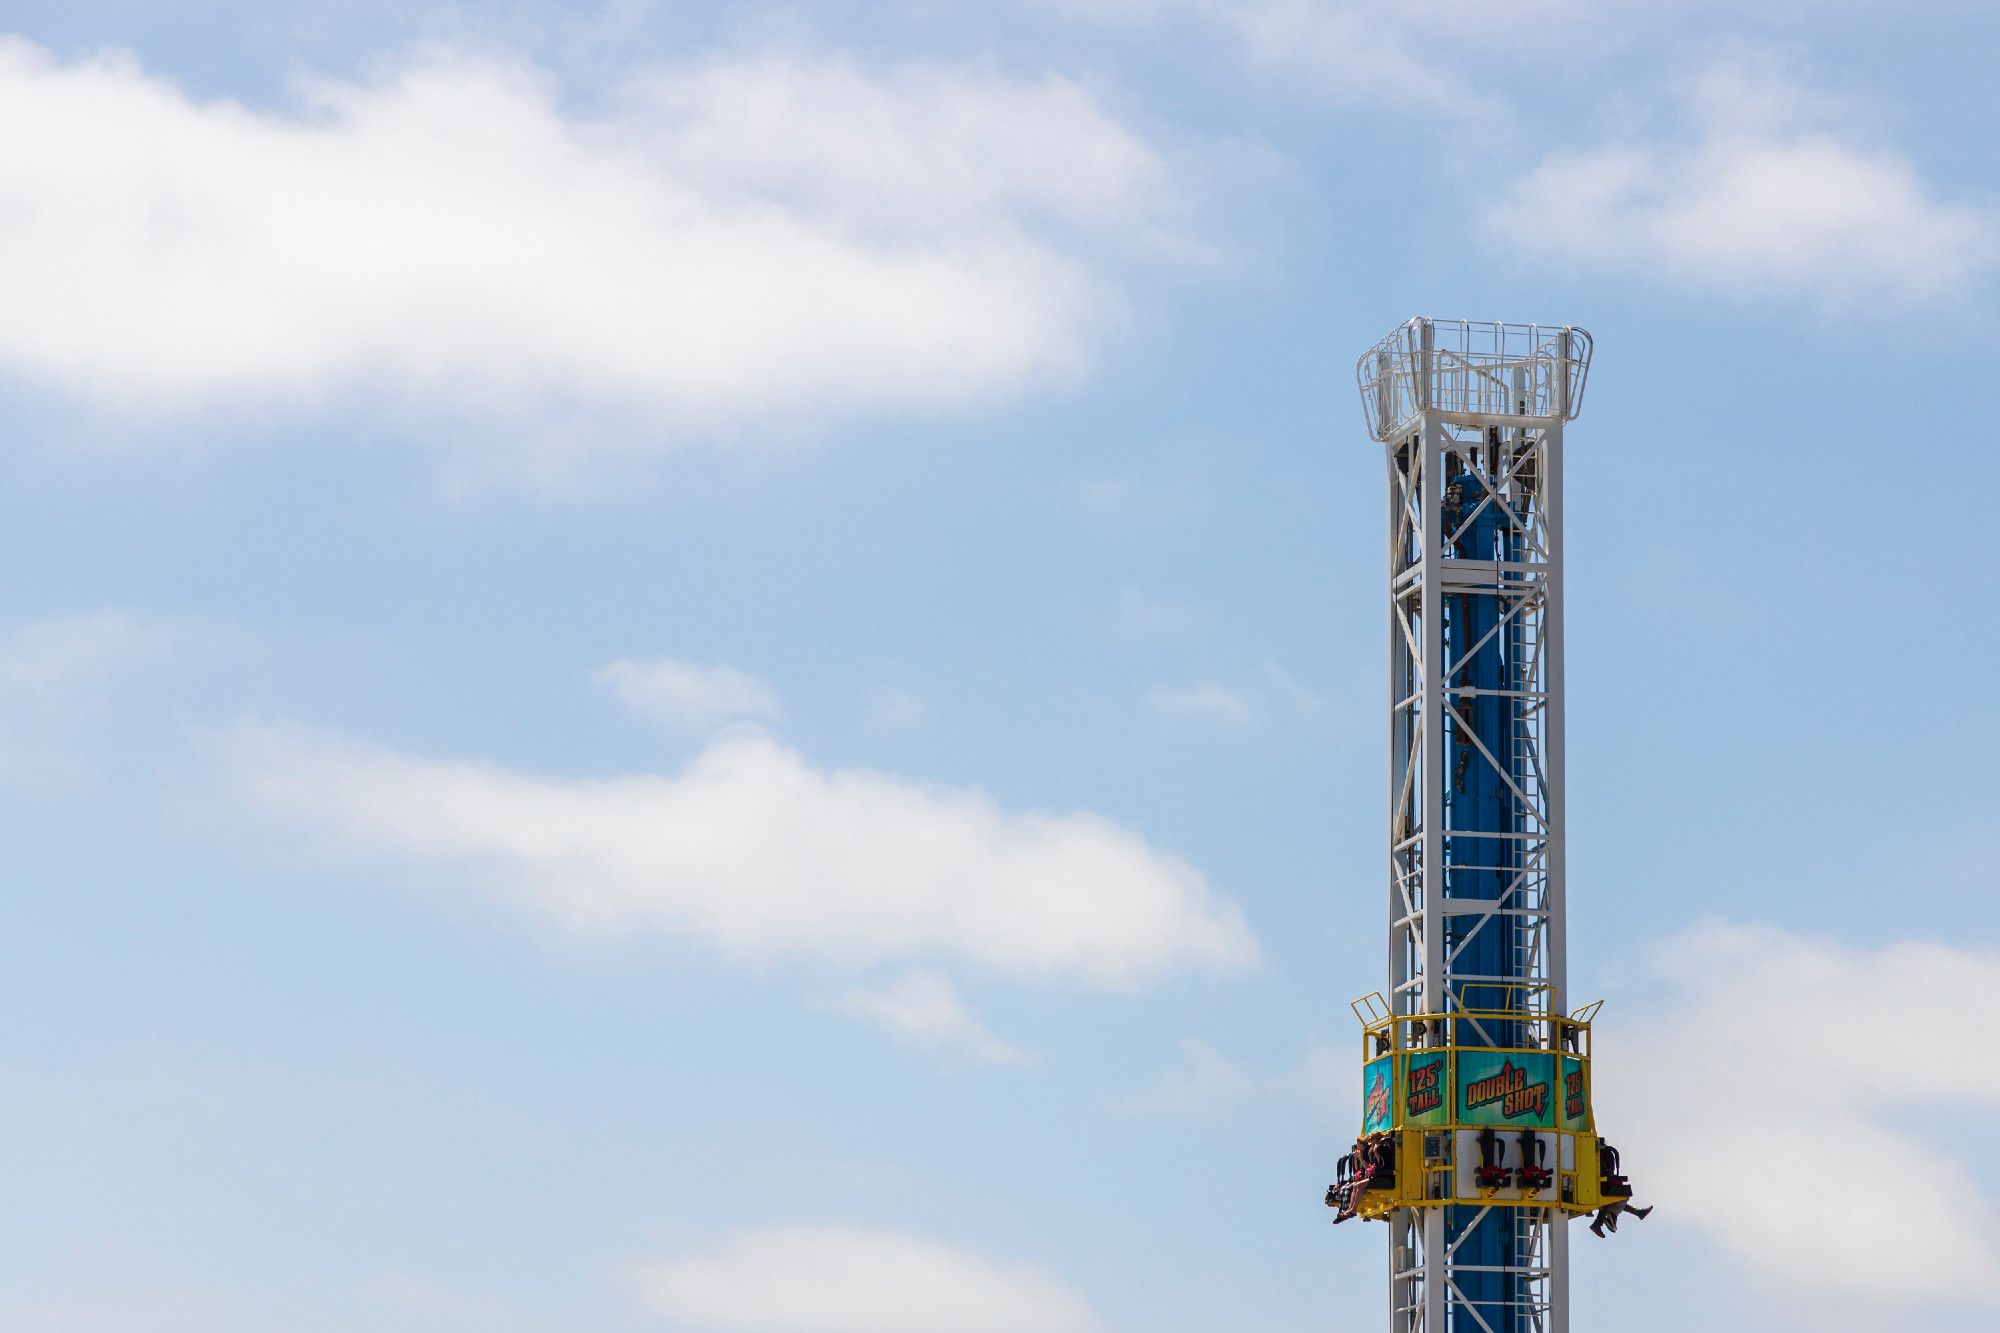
(1575,1095)
(1426,1084)
(1377,1102)
(1515,1088)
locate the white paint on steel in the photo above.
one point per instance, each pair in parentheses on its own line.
(1429,390)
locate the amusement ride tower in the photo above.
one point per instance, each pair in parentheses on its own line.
(1478,1143)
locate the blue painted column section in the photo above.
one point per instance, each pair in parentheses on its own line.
(1478,800)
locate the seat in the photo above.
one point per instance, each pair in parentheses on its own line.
(1533,1176)
(1491,1175)
(1343,1183)
(1610,1183)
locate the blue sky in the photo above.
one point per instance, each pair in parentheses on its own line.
(719,667)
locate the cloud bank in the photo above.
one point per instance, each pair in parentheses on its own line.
(1780,1100)
(719,246)
(1205,702)
(925,1009)
(850,1280)
(56,676)
(1434,58)
(1757,194)
(689,695)
(761,855)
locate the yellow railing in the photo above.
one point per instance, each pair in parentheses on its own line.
(1384,1032)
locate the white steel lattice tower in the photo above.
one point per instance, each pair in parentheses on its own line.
(1471,418)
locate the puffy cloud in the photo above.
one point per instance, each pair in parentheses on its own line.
(72,653)
(895,709)
(1206,702)
(408,1295)
(849,1280)
(111,1307)
(1377,50)
(1387,53)
(1759,195)
(55,679)
(762,855)
(687,694)
(1777,1098)
(722,245)
(924,1009)
(1206,1085)
(1138,612)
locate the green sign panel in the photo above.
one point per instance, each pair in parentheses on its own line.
(1506,1088)
(1575,1095)
(1426,1080)
(1376,1099)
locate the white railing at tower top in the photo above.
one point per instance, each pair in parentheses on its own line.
(1472,368)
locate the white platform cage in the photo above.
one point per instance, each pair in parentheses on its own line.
(1461,367)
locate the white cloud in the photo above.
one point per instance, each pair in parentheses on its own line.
(56,677)
(1757,195)
(924,1009)
(73,653)
(108,1307)
(689,695)
(407,1294)
(1206,1085)
(1357,52)
(1123,505)
(1781,1099)
(1213,703)
(896,709)
(850,1280)
(1300,697)
(1388,54)
(1207,702)
(726,244)
(1139,612)
(761,855)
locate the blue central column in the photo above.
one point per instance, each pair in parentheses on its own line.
(1482,952)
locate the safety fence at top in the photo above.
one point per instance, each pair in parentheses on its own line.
(1473,368)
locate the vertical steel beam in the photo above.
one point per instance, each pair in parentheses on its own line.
(1437,1270)
(1430,713)
(1430,722)
(1404,1224)
(1554,802)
